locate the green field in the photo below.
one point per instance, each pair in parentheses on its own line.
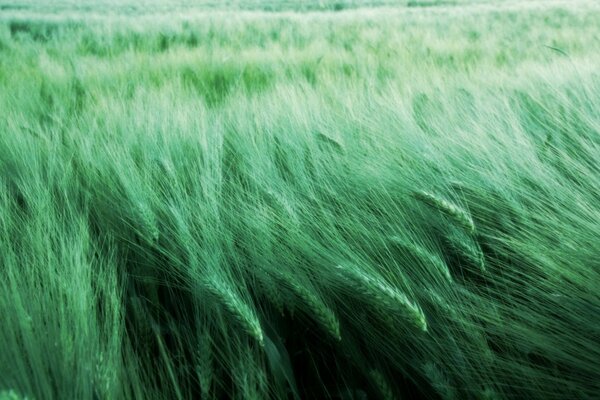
(300,200)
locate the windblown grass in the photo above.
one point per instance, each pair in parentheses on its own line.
(385,203)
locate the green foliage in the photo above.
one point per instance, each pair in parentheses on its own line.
(386,203)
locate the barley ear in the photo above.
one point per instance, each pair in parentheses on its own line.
(204,363)
(321,311)
(423,255)
(382,385)
(272,292)
(460,216)
(439,381)
(468,247)
(488,394)
(11,395)
(241,311)
(147,223)
(383,294)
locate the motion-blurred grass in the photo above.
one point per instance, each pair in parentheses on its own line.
(396,202)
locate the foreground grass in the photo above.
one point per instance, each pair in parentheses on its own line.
(385,203)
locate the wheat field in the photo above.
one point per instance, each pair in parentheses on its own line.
(299,200)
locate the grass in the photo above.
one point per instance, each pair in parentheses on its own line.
(392,202)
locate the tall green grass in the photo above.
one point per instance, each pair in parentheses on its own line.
(393,203)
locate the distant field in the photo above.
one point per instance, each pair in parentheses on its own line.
(303,200)
(187,5)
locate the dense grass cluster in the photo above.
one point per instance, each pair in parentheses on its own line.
(385,203)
